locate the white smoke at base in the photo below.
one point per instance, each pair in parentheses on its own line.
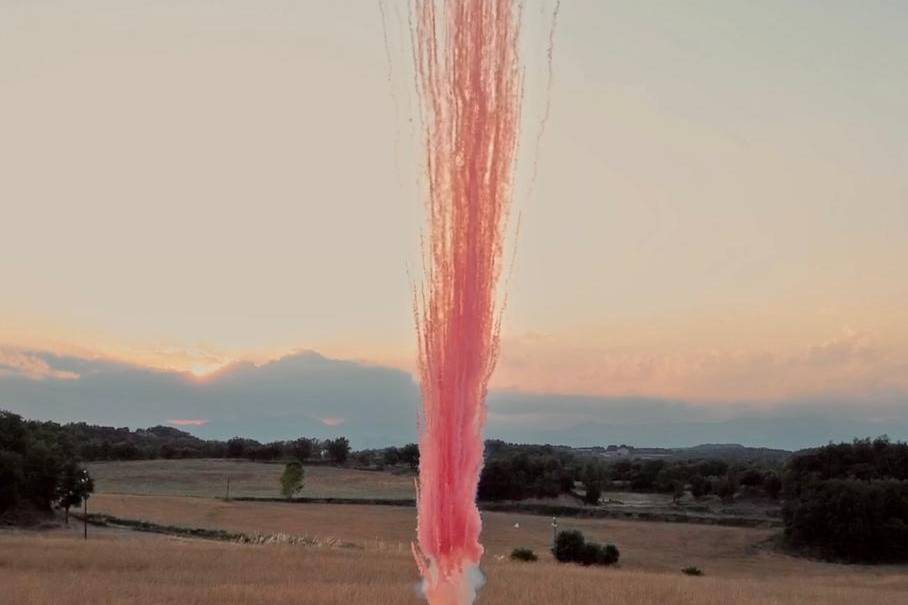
(457,591)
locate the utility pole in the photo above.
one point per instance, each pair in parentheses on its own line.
(85,482)
(227,496)
(554,531)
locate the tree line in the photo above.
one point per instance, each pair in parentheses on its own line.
(849,501)
(93,443)
(39,467)
(518,472)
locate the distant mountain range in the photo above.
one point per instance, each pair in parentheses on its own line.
(308,394)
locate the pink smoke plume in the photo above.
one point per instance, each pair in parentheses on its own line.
(469,81)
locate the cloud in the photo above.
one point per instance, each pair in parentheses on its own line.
(31,366)
(306,394)
(187,422)
(849,363)
(300,394)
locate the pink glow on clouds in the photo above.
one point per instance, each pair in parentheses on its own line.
(187,422)
(30,366)
(332,421)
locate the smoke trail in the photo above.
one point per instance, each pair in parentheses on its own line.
(470,84)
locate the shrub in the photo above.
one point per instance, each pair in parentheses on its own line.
(593,492)
(692,571)
(572,547)
(292,480)
(523,554)
(568,546)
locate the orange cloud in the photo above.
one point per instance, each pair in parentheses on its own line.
(20,363)
(849,363)
(187,422)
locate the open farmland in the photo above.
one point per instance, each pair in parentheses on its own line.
(375,565)
(58,568)
(645,546)
(208,478)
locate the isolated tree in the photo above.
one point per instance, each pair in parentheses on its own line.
(75,486)
(593,478)
(593,490)
(292,480)
(339,449)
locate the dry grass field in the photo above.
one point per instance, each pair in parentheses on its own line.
(731,552)
(60,569)
(130,568)
(208,478)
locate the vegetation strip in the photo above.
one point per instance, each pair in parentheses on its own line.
(544,509)
(103,520)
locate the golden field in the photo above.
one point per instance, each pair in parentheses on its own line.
(61,569)
(208,478)
(375,567)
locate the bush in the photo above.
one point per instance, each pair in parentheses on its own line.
(292,479)
(593,492)
(523,554)
(572,547)
(568,546)
(692,571)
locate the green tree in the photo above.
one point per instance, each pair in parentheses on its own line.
(301,449)
(75,486)
(699,486)
(11,479)
(725,488)
(568,546)
(593,489)
(677,491)
(292,480)
(410,454)
(339,449)
(391,456)
(772,485)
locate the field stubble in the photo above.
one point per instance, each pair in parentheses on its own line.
(123,567)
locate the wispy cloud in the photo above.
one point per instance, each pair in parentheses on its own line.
(29,365)
(847,363)
(187,422)
(308,394)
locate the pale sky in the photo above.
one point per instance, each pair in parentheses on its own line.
(720,213)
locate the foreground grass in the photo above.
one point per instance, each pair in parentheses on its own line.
(112,568)
(726,552)
(208,478)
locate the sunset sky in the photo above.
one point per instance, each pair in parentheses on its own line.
(720,213)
